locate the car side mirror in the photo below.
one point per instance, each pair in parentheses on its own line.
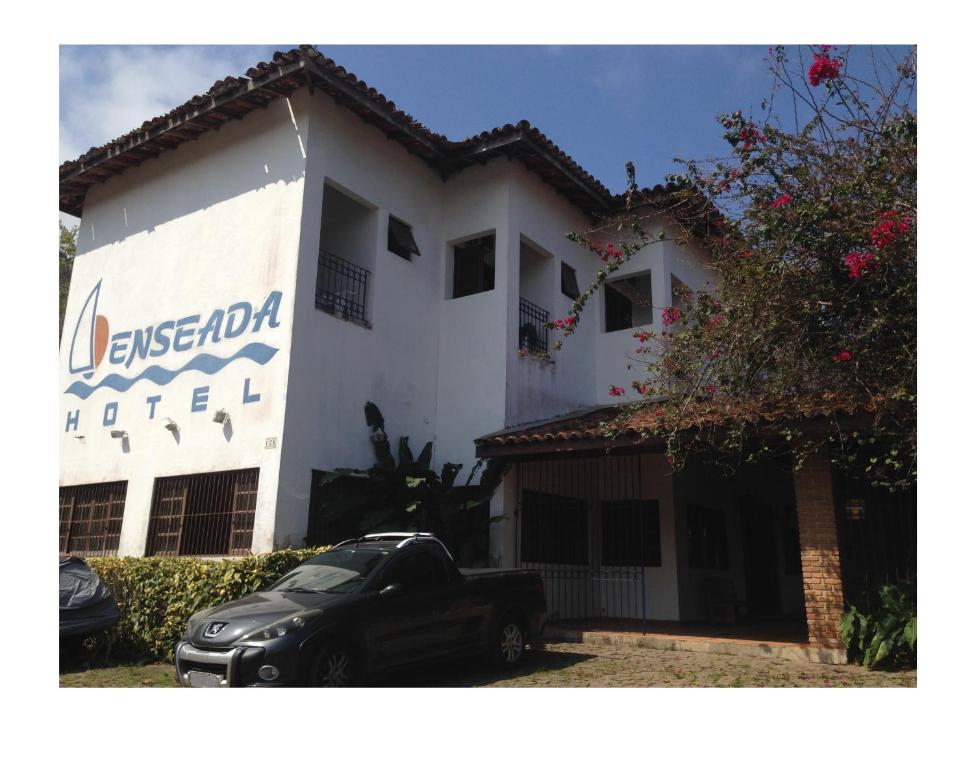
(391,589)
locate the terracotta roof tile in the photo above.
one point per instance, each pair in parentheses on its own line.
(287,71)
(619,422)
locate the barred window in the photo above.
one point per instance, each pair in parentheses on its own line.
(554,529)
(630,533)
(91,518)
(207,514)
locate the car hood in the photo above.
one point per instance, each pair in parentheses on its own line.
(255,612)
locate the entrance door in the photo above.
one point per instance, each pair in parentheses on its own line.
(760,558)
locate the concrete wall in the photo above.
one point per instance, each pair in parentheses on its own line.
(338,365)
(193,232)
(237,217)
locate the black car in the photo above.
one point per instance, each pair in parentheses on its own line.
(365,606)
(85,605)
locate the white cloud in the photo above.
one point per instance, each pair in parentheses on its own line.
(107,91)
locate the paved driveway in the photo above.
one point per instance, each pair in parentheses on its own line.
(591,666)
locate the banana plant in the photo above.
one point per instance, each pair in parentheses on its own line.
(402,491)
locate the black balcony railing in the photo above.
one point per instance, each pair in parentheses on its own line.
(532,327)
(342,287)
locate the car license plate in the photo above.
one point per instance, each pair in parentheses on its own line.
(204,679)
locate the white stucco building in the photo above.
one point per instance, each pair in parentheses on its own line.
(256,265)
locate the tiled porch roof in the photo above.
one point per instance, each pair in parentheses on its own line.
(619,425)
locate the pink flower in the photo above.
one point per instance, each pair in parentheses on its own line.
(641,388)
(824,68)
(671,315)
(890,228)
(615,391)
(643,336)
(859,263)
(781,200)
(566,323)
(844,356)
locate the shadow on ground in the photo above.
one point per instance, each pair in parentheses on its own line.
(476,671)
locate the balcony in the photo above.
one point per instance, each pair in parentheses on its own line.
(342,287)
(532,327)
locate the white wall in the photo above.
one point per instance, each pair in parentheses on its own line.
(212,223)
(617,361)
(338,365)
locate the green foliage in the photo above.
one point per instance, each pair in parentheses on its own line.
(889,634)
(157,595)
(67,247)
(402,492)
(812,230)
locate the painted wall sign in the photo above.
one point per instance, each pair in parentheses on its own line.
(91,340)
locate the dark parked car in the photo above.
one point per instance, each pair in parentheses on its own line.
(363,607)
(85,604)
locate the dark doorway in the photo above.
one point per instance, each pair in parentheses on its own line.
(760,558)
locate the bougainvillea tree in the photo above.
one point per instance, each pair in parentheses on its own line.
(811,221)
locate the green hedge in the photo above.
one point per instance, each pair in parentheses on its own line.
(157,595)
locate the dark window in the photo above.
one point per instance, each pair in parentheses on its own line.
(554,529)
(416,573)
(210,514)
(401,241)
(707,537)
(91,518)
(628,303)
(630,533)
(569,282)
(473,266)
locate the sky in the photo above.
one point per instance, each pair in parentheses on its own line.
(603,105)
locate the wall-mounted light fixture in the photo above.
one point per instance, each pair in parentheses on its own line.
(855,509)
(119,433)
(221,416)
(171,425)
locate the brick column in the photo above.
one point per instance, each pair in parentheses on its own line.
(821,576)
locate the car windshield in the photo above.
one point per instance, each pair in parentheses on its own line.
(341,570)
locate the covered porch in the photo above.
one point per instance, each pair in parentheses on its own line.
(758,562)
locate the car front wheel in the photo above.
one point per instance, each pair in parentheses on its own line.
(334,668)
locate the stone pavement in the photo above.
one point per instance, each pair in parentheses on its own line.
(588,665)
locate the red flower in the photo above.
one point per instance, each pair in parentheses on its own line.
(890,228)
(711,389)
(565,324)
(747,254)
(824,68)
(843,356)
(616,391)
(643,336)
(859,263)
(781,200)
(671,315)
(641,388)
(717,320)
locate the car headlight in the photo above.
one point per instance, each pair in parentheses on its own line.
(283,627)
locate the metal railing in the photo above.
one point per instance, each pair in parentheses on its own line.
(593,592)
(341,287)
(532,327)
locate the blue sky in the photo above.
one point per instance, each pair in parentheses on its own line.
(603,105)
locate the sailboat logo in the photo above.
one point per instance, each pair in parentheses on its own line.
(90,338)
